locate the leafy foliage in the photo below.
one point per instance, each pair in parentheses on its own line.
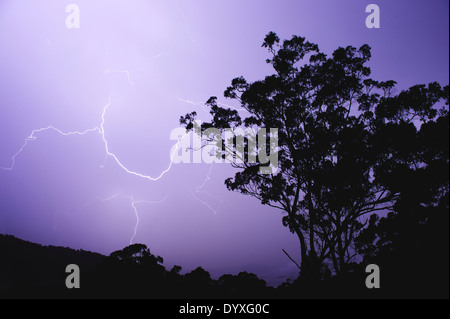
(346,144)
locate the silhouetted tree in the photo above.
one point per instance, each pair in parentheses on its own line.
(244,284)
(137,254)
(198,283)
(412,244)
(130,272)
(337,131)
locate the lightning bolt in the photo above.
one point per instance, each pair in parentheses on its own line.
(136,213)
(207,179)
(199,190)
(114,156)
(185,21)
(102,132)
(108,71)
(33,137)
(202,105)
(133,204)
(100,129)
(92,202)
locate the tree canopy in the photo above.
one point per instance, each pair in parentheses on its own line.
(347,145)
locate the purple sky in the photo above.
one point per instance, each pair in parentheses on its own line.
(151,61)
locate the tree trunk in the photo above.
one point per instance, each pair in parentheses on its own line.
(303,249)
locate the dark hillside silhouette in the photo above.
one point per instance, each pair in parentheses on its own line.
(29,270)
(33,271)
